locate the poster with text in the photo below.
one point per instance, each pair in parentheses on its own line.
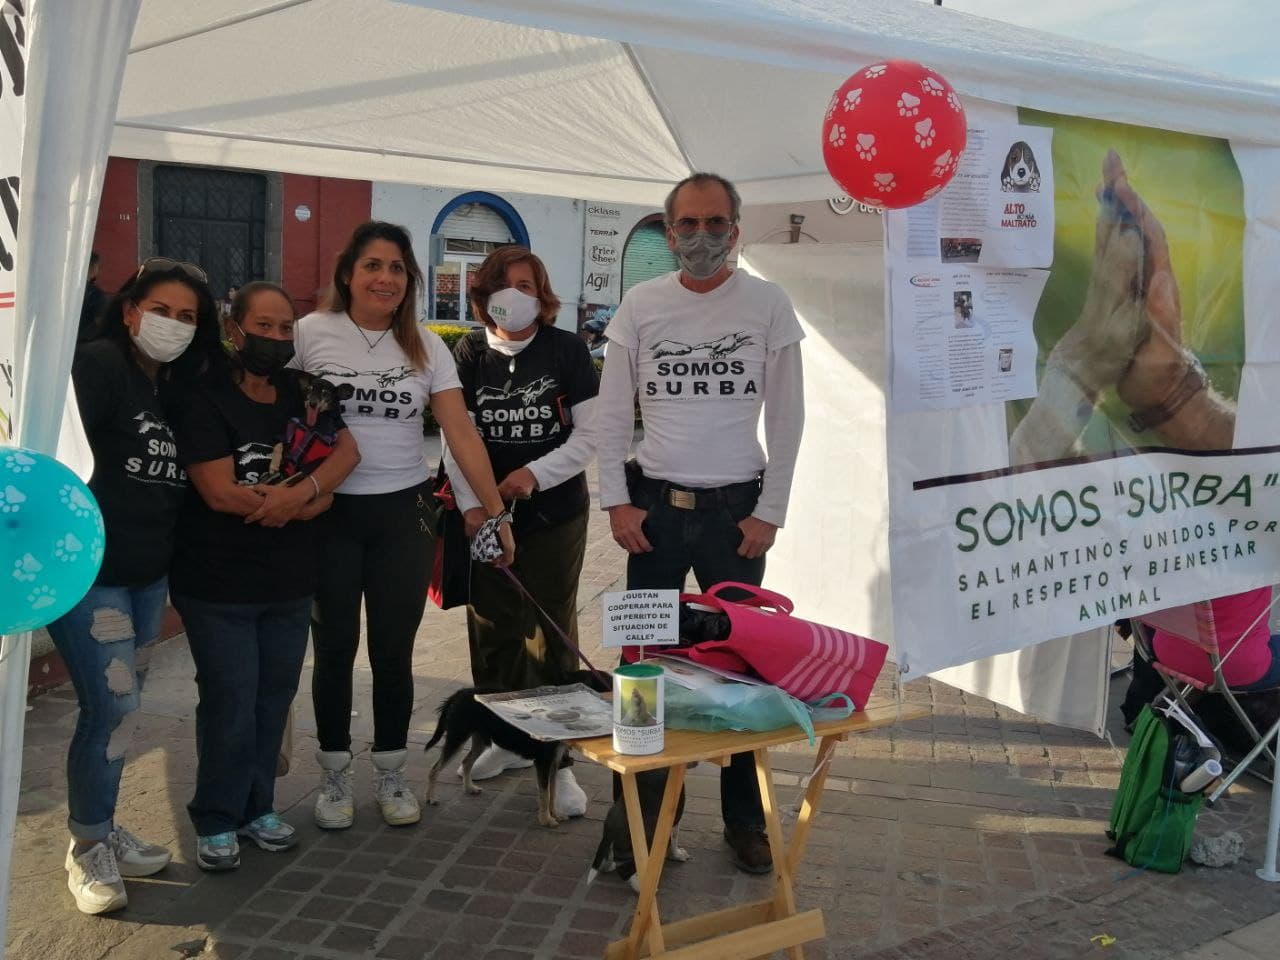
(1128,483)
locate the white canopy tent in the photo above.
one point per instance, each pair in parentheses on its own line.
(599,99)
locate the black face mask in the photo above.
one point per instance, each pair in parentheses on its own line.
(263,356)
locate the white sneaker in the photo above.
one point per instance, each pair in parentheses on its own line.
(335,804)
(134,856)
(94,880)
(399,805)
(571,799)
(496,760)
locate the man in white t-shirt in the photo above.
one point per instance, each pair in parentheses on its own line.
(704,350)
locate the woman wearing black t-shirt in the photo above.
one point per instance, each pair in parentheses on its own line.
(245,569)
(530,389)
(156,334)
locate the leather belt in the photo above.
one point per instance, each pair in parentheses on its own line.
(695,498)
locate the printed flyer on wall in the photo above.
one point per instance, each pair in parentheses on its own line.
(963,335)
(964,281)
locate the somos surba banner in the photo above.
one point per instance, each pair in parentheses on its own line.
(1089,432)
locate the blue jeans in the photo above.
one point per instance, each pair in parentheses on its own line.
(248,658)
(103,641)
(706,542)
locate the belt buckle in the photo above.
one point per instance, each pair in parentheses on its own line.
(682,499)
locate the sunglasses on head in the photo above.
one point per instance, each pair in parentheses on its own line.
(165,264)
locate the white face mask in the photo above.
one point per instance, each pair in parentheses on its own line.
(162,338)
(513,310)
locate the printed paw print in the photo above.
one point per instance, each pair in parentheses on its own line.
(932,86)
(866,146)
(885,182)
(831,107)
(908,105)
(875,70)
(18,462)
(942,163)
(953,101)
(852,99)
(41,597)
(67,548)
(836,137)
(96,548)
(925,133)
(932,190)
(11,499)
(26,568)
(75,500)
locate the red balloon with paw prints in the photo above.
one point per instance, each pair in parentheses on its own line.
(894,133)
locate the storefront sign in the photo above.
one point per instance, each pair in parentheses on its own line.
(602,242)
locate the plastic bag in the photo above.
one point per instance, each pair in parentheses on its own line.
(734,706)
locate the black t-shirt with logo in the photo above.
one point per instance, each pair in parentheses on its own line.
(219,557)
(136,476)
(523,409)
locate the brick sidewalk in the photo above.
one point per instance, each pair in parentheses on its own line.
(976,832)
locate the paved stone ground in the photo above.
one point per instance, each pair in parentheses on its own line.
(976,832)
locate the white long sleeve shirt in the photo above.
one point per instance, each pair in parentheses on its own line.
(704,366)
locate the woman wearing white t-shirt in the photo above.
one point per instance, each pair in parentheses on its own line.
(377,539)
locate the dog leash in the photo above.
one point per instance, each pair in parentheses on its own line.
(551,620)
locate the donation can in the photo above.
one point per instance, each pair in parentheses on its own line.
(638,708)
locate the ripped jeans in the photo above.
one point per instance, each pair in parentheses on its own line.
(104,641)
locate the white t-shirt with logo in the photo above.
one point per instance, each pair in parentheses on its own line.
(700,373)
(385,412)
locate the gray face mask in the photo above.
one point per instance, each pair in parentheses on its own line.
(701,253)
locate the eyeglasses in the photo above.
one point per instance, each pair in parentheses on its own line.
(687,226)
(162,264)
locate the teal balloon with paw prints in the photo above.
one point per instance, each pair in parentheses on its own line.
(51,539)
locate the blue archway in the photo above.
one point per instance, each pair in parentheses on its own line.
(495,203)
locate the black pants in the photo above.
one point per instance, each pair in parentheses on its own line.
(377,547)
(703,540)
(512,645)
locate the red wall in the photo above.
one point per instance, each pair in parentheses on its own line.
(310,248)
(116,238)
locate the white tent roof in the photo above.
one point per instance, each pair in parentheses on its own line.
(506,95)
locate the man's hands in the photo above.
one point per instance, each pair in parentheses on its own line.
(757,537)
(519,484)
(625,523)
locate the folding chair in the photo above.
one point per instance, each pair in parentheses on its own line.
(1194,623)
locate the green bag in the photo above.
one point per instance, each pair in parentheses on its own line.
(1152,822)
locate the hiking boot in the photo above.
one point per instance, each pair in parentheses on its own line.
(571,799)
(750,846)
(270,833)
(335,804)
(94,880)
(399,805)
(218,852)
(495,760)
(134,856)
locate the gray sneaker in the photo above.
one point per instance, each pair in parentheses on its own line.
(270,833)
(134,856)
(94,880)
(218,852)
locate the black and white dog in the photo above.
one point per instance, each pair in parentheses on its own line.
(1021,173)
(615,851)
(463,718)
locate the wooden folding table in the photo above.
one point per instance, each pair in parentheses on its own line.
(751,929)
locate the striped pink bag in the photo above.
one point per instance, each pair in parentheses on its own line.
(806,659)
